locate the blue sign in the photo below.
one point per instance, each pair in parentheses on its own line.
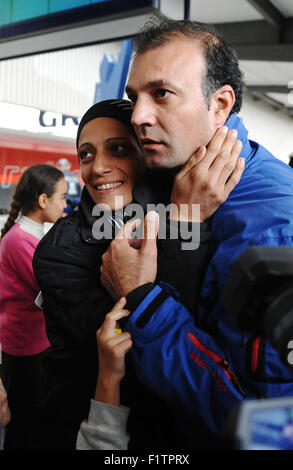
(113,74)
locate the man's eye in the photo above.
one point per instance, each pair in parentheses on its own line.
(161,93)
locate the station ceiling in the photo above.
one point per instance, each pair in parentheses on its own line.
(262,33)
(260,30)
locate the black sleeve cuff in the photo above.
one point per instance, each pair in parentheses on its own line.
(137,295)
(134,298)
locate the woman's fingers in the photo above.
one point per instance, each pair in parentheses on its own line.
(214,151)
(231,162)
(191,162)
(235,177)
(110,322)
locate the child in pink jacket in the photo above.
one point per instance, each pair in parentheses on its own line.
(39,198)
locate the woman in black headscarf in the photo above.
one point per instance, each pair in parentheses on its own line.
(66,265)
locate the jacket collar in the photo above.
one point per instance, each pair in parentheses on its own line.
(249,147)
(87,220)
(154,187)
(86,208)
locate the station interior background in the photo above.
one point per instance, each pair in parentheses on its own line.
(58,57)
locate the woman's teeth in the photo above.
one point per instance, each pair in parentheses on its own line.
(108,185)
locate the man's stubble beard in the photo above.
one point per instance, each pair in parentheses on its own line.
(168,162)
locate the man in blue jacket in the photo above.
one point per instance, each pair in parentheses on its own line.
(185,85)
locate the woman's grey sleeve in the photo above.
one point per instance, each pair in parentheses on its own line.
(105,428)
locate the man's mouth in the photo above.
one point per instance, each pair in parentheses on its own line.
(149,144)
(104,186)
(146,141)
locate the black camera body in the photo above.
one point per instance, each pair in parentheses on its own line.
(258,295)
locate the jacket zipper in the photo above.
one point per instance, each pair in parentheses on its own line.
(232,377)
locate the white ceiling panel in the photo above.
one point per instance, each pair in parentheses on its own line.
(266,73)
(285,6)
(223,11)
(286,100)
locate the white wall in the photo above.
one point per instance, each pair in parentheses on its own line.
(62,81)
(270,127)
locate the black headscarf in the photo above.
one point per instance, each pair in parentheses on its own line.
(121,110)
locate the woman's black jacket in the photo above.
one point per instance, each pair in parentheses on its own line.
(67,267)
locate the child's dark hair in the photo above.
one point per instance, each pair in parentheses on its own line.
(36,180)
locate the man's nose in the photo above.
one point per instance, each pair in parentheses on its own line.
(143,113)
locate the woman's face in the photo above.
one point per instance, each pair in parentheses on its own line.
(110,161)
(56,204)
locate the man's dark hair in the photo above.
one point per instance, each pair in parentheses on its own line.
(222,67)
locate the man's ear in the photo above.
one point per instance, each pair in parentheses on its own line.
(222,102)
(42,201)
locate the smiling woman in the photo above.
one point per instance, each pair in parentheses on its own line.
(66,265)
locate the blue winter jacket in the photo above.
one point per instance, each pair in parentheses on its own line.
(206,366)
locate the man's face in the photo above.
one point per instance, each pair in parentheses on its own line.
(170,115)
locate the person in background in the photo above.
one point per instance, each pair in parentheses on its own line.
(39,197)
(290,163)
(74,186)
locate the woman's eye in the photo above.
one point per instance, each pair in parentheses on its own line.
(83,154)
(119,149)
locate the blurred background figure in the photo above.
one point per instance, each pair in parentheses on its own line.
(74,186)
(291,160)
(39,197)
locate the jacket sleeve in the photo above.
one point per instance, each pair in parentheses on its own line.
(105,428)
(179,362)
